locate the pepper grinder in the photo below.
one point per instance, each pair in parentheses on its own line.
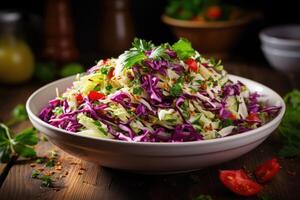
(116,29)
(59,45)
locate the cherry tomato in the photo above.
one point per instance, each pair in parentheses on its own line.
(267,170)
(192,64)
(214,12)
(94,95)
(79,98)
(253,117)
(111,73)
(239,182)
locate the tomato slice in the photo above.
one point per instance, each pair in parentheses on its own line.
(79,98)
(111,73)
(94,95)
(192,64)
(267,170)
(253,117)
(214,12)
(232,116)
(239,182)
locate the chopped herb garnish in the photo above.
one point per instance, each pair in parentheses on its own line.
(58,111)
(40,160)
(227,122)
(137,90)
(47,181)
(109,87)
(50,163)
(176,89)
(159,52)
(104,70)
(35,173)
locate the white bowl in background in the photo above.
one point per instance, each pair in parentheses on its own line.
(284,37)
(152,157)
(283,60)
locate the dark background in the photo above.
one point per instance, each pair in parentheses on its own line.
(146,15)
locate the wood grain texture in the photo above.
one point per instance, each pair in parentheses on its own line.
(96,182)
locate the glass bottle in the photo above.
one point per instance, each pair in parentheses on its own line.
(16,57)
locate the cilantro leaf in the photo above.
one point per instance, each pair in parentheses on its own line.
(21,145)
(159,52)
(27,136)
(142,45)
(289,128)
(131,57)
(176,89)
(183,48)
(24,150)
(18,114)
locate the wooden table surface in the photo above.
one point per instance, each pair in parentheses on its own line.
(86,180)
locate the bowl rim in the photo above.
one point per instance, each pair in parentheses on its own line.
(270,124)
(246,18)
(280,52)
(266,38)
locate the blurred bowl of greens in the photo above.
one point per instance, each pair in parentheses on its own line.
(212,26)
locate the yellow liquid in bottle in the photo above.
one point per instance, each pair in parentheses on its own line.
(16,60)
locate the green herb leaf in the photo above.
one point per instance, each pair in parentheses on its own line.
(104,70)
(159,52)
(50,163)
(142,45)
(20,145)
(35,173)
(27,136)
(137,90)
(289,128)
(47,181)
(24,150)
(109,87)
(183,48)
(19,113)
(71,69)
(131,57)
(176,89)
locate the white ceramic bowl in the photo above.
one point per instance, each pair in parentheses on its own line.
(281,47)
(152,157)
(284,37)
(282,60)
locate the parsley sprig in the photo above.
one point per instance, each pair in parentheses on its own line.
(136,54)
(20,145)
(289,128)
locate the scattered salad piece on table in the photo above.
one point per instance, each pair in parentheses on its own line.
(289,128)
(164,93)
(267,170)
(240,183)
